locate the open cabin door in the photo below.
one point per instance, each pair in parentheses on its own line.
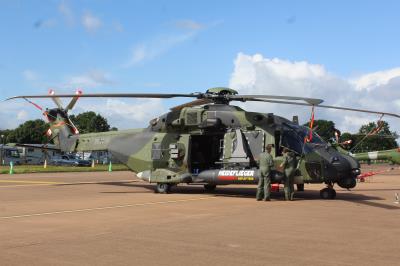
(205,152)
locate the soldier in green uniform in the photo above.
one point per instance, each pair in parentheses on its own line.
(289,166)
(264,183)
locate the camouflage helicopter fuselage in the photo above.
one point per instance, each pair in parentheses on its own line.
(214,144)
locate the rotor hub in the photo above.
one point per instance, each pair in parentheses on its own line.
(220,95)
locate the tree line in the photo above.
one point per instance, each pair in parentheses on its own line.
(33,131)
(373,136)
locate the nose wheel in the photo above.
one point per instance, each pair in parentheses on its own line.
(327,193)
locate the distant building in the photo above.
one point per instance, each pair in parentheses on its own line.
(36,154)
(9,154)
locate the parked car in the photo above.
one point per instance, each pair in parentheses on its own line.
(69,160)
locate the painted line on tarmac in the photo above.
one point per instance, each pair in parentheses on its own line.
(28,181)
(31,185)
(104,208)
(50,183)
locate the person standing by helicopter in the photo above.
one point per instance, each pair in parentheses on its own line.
(289,166)
(264,183)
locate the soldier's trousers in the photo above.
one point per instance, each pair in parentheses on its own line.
(289,187)
(264,188)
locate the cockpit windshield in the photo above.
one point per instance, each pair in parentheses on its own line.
(296,138)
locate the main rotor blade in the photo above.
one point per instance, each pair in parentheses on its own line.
(329,107)
(113,95)
(191,104)
(312,101)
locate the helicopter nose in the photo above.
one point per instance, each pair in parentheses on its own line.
(344,172)
(335,167)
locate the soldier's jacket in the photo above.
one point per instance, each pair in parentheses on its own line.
(266,164)
(289,163)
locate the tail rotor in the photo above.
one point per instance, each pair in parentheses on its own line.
(61,112)
(55,99)
(74,100)
(62,130)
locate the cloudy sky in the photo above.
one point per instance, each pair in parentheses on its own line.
(345,52)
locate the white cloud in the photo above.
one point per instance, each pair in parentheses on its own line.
(255,74)
(30,75)
(67,13)
(91,79)
(351,121)
(91,22)
(187,30)
(118,26)
(15,112)
(188,24)
(139,111)
(124,113)
(372,80)
(150,50)
(22,115)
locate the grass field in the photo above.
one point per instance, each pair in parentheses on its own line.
(21,169)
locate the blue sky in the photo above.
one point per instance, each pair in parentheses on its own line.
(186,46)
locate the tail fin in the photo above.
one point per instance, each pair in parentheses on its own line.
(62,131)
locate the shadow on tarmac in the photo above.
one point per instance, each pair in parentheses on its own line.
(249,192)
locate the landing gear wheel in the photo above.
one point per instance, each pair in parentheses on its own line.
(163,188)
(210,187)
(327,193)
(300,187)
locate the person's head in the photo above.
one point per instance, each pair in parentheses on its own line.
(269,148)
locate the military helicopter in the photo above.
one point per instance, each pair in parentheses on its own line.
(210,142)
(392,155)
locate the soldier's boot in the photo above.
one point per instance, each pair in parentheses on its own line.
(291,195)
(259,195)
(287,193)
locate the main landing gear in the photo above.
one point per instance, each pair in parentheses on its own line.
(163,188)
(209,187)
(300,187)
(328,192)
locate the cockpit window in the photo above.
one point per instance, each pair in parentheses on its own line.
(293,137)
